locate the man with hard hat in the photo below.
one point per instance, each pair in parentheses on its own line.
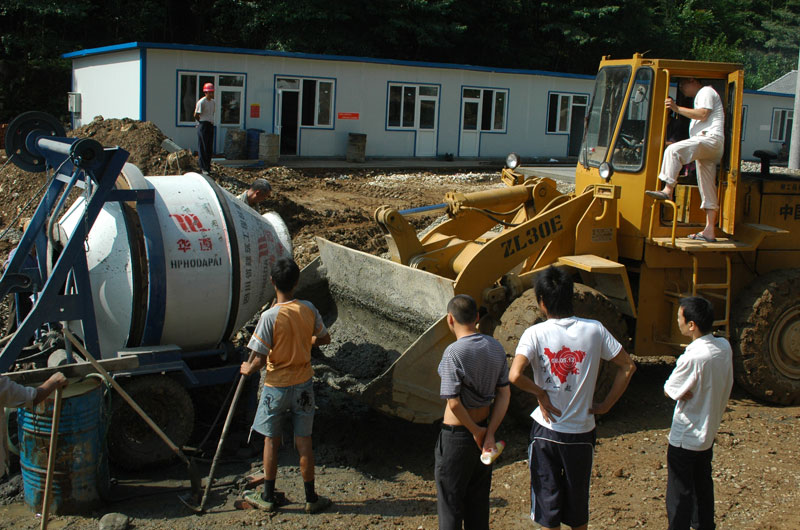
(204,115)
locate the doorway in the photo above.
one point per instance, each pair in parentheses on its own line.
(288,102)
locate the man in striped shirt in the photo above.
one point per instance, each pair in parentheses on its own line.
(474,374)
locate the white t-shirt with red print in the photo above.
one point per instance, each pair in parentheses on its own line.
(565,355)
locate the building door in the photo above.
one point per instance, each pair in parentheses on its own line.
(288,117)
(469,143)
(230,113)
(426,125)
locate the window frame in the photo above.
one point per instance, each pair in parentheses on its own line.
(492,113)
(568,119)
(788,119)
(179,74)
(301,90)
(418,98)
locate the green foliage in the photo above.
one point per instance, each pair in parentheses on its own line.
(556,35)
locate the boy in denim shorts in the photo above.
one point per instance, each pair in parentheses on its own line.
(282,340)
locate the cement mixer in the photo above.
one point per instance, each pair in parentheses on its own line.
(163,268)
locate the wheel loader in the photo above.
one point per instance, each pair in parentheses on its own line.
(631,255)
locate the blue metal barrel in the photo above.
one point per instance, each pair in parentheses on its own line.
(80,477)
(253,136)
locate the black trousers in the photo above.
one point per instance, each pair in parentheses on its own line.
(462,482)
(690,489)
(205,144)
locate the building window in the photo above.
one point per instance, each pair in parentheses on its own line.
(316,99)
(484,109)
(781,125)
(412,106)
(229,94)
(560,109)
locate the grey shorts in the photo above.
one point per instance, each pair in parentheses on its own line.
(277,403)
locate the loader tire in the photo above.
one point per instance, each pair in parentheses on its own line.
(132,444)
(524,312)
(765,336)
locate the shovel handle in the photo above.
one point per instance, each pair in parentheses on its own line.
(135,406)
(51,459)
(226,425)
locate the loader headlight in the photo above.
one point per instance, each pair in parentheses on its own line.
(512,160)
(605,171)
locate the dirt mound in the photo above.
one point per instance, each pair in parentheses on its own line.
(141,139)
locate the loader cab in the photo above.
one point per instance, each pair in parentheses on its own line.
(627,126)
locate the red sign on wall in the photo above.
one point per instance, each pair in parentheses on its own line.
(347,115)
(255,110)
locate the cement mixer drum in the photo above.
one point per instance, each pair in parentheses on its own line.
(190,269)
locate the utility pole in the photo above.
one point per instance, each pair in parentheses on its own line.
(794,144)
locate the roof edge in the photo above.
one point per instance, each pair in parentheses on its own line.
(316,56)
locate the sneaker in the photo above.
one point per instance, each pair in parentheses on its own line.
(255,499)
(318,505)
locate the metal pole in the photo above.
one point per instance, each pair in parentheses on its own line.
(794,144)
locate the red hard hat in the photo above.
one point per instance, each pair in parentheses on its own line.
(208,87)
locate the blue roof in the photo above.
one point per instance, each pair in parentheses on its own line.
(316,56)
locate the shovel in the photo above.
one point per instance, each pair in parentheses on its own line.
(223,436)
(51,459)
(194,473)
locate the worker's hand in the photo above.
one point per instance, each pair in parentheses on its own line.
(599,408)
(489,443)
(246,368)
(547,407)
(671,105)
(57,380)
(479,436)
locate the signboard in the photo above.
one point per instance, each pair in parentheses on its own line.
(347,115)
(255,110)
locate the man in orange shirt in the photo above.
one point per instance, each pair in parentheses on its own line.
(282,340)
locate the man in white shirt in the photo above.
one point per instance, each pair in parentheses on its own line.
(564,353)
(700,384)
(704,146)
(204,115)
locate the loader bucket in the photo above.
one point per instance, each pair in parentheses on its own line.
(387,326)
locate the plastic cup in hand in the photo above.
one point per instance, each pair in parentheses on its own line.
(487,457)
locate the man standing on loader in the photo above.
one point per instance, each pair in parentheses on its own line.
(282,340)
(474,373)
(704,146)
(700,384)
(564,353)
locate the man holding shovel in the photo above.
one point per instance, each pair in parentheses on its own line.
(16,395)
(282,341)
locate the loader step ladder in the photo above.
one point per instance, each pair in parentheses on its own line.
(597,265)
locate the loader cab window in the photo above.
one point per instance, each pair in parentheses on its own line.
(607,100)
(629,147)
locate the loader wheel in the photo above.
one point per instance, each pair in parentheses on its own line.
(766,338)
(132,444)
(524,312)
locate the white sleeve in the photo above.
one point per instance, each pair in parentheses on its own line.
(15,395)
(683,378)
(705,98)
(528,345)
(610,346)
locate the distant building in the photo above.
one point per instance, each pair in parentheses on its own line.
(406,108)
(786,84)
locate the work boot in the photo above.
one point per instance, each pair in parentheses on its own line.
(318,505)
